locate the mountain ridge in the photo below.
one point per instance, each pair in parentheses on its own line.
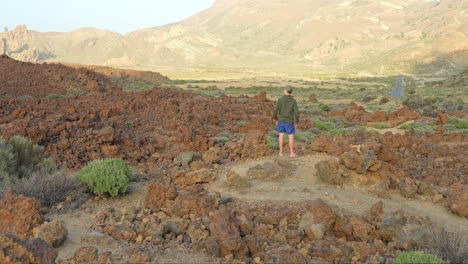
(298,35)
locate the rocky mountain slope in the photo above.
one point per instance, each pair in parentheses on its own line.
(300,35)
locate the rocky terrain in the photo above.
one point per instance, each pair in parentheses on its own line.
(378,37)
(23,79)
(207,188)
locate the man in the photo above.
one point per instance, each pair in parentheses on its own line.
(287,117)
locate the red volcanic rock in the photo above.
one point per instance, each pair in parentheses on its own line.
(19,214)
(158,195)
(40,80)
(403,114)
(86,255)
(225,232)
(362,231)
(443,118)
(408,187)
(261,97)
(197,203)
(194,177)
(378,116)
(142,128)
(331,171)
(16,250)
(54,233)
(458,199)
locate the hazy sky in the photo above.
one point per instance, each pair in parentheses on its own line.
(117,15)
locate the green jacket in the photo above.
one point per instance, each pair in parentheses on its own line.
(286,110)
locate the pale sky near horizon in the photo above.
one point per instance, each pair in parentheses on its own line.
(121,16)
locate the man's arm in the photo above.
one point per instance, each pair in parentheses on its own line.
(296,113)
(275,113)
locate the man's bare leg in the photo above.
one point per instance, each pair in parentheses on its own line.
(281,142)
(291,145)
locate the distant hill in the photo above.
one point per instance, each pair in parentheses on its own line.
(39,80)
(31,80)
(372,36)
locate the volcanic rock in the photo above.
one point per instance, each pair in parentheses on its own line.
(54,233)
(16,250)
(458,200)
(19,214)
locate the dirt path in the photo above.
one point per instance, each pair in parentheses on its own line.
(305,185)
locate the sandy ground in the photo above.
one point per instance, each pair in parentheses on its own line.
(305,185)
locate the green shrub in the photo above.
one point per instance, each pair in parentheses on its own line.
(7,163)
(459,123)
(109,176)
(28,155)
(417,257)
(20,158)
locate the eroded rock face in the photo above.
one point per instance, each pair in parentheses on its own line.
(19,215)
(17,250)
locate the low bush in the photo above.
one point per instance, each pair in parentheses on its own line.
(109,176)
(49,189)
(20,158)
(416,257)
(451,246)
(459,123)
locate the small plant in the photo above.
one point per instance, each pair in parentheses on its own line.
(417,257)
(20,158)
(241,123)
(451,246)
(109,176)
(129,124)
(49,189)
(384,100)
(382,126)
(459,123)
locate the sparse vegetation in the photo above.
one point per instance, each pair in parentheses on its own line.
(20,158)
(109,176)
(450,246)
(416,257)
(49,189)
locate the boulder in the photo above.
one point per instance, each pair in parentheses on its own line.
(225,232)
(19,214)
(54,233)
(194,177)
(17,250)
(331,171)
(407,230)
(158,195)
(458,199)
(87,254)
(185,158)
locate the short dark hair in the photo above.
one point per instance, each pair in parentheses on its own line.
(288,88)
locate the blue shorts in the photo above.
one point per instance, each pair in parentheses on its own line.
(287,128)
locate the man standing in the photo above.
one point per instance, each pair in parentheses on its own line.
(287,117)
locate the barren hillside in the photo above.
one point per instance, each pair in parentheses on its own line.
(297,35)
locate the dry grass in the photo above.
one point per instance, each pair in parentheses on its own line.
(450,246)
(49,189)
